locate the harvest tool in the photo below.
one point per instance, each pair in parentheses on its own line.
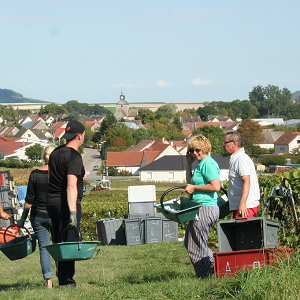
(183,209)
(180,209)
(72,251)
(19,247)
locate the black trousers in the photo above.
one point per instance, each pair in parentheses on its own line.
(60,216)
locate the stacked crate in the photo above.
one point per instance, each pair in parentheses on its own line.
(141,225)
(246,243)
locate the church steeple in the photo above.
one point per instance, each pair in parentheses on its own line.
(122,96)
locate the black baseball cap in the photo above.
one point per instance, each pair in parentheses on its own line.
(73,128)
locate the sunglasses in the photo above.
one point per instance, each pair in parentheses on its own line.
(224,143)
(193,150)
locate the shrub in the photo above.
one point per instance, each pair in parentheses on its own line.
(268,160)
(112,171)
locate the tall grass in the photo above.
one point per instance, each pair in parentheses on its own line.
(150,271)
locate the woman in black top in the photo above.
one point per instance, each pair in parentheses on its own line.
(35,200)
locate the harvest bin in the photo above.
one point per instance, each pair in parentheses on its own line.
(247,233)
(111,231)
(153,230)
(229,263)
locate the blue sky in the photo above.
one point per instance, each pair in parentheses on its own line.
(158,50)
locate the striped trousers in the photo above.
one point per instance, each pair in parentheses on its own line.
(196,237)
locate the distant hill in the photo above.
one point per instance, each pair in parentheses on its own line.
(295,95)
(11,97)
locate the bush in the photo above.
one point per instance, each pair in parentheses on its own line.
(15,164)
(112,171)
(268,160)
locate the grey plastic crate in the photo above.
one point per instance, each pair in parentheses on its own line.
(133,231)
(153,230)
(247,234)
(111,231)
(142,208)
(170,230)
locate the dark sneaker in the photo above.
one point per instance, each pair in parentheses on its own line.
(68,283)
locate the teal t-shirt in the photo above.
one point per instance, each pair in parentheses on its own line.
(206,171)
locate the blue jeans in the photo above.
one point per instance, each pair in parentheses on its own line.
(41,227)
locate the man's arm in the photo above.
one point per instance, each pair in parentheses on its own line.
(245,192)
(72,192)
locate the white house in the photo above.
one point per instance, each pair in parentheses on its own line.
(173,169)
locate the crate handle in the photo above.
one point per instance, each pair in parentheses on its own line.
(240,220)
(73,228)
(12,225)
(167,191)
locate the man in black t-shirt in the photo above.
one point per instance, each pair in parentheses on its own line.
(65,191)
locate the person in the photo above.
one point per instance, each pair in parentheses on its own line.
(35,200)
(65,191)
(203,185)
(3,214)
(243,187)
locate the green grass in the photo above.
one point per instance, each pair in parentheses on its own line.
(150,271)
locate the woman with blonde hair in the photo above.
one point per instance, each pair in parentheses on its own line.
(35,200)
(203,185)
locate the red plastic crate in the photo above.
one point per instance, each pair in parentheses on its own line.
(228,263)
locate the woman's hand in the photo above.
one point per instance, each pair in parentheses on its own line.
(189,188)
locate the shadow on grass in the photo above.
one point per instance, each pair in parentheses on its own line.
(153,277)
(19,286)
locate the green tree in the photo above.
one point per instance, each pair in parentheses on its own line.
(271,101)
(120,130)
(147,115)
(190,112)
(89,134)
(205,111)
(140,134)
(34,152)
(165,111)
(177,123)
(107,122)
(215,135)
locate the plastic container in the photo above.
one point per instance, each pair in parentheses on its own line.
(229,263)
(247,233)
(111,231)
(9,235)
(180,210)
(141,193)
(142,208)
(72,251)
(170,230)
(153,230)
(19,247)
(133,231)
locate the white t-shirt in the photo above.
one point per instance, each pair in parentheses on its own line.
(241,164)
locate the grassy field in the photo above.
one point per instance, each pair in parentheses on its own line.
(149,271)
(21,177)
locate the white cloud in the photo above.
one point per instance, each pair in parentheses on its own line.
(198,81)
(162,83)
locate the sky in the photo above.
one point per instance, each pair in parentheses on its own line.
(153,51)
